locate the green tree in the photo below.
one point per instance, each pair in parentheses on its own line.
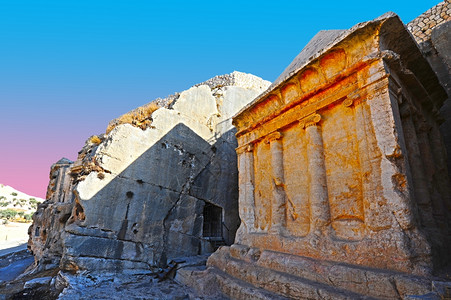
(8,214)
(34,203)
(14,193)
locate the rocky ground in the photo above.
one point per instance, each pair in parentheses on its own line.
(54,284)
(121,287)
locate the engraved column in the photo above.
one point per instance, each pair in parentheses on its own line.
(416,166)
(437,204)
(246,186)
(278,205)
(319,201)
(375,212)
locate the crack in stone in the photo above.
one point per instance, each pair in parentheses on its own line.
(107,258)
(395,287)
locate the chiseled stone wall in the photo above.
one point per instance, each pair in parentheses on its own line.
(422,26)
(138,192)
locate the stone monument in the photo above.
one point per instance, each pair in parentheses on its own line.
(343,185)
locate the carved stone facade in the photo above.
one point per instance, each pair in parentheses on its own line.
(344,190)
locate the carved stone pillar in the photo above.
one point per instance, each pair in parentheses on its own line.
(246,187)
(278,206)
(352,227)
(319,200)
(421,190)
(438,208)
(439,155)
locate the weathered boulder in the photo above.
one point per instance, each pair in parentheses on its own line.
(162,183)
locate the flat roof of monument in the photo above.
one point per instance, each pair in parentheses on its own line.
(399,40)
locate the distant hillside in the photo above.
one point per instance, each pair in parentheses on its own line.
(17,205)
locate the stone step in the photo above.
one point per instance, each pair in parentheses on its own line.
(213,283)
(238,289)
(277,283)
(302,277)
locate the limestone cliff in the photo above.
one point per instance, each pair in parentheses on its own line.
(161,183)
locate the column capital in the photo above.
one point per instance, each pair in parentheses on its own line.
(407,110)
(249,148)
(245,148)
(273,137)
(348,102)
(310,120)
(351,98)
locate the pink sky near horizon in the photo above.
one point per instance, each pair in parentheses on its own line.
(37,136)
(26,165)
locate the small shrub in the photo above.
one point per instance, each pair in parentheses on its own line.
(139,117)
(95,140)
(149,109)
(14,193)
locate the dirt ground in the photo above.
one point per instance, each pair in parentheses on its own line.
(13,234)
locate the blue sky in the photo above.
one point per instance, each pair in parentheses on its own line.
(68,67)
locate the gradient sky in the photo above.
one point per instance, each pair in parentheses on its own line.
(68,67)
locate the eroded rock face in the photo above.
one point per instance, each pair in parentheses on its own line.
(156,186)
(344,191)
(51,216)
